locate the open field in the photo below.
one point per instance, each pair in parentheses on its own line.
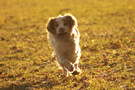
(107,29)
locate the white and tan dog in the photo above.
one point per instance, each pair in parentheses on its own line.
(64,37)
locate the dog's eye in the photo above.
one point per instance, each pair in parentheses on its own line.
(65,23)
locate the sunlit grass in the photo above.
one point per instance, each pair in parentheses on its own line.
(107,29)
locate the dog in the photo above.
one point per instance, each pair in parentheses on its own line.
(64,37)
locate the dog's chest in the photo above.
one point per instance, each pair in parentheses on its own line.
(66,50)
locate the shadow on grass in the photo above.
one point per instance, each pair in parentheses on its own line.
(16,87)
(41,84)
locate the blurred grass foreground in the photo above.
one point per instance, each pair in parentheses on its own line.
(107,41)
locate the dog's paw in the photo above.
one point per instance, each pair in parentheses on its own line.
(71,68)
(76,73)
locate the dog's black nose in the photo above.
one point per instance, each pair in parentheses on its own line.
(62,30)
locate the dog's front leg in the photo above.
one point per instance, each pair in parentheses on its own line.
(65,72)
(76,67)
(66,64)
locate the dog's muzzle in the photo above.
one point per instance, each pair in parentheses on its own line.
(62,35)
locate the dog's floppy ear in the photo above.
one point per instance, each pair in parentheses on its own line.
(50,26)
(71,20)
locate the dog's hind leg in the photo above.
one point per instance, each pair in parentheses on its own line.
(77,69)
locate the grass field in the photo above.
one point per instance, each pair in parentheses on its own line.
(107,42)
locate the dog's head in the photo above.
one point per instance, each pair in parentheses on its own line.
(61,26)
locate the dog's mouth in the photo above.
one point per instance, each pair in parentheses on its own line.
(62,35)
